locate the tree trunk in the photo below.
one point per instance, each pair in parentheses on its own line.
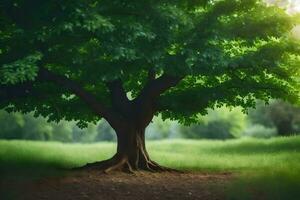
(131,154)
(130,119)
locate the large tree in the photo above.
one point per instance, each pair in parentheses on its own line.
(126,61)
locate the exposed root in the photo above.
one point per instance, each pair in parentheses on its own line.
(158,168)
(122,164)
(114,164)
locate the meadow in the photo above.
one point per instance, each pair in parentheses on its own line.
(269,168)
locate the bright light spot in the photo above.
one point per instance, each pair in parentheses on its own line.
(296,32)
(291,6)
(294,6)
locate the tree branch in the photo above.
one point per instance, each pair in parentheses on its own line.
(154,88)
(97,107)
(151,74)
(10,92)
(145,102)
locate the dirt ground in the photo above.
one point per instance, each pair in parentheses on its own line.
(85,185)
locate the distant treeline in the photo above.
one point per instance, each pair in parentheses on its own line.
(28,127)
(277,118)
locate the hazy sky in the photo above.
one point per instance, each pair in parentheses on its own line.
(293,6)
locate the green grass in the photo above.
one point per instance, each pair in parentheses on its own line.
(233,155)
(198,155)
(267,168)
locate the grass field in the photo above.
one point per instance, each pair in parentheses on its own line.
(197,155)
(270,168)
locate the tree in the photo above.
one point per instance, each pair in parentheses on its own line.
(126,61)
(28,127)
(220,123)
(105,132)
(281,115)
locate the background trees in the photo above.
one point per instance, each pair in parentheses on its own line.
(28,127)
(222,123)
(278,114)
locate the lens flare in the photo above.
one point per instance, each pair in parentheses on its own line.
(294,6)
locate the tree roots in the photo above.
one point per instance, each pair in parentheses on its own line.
(123,164)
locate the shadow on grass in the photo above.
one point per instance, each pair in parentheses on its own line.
(266,185)
(29,171)
(17,178)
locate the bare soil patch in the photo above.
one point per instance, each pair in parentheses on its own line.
(85,185)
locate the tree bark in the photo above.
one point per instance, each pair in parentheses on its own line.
(131,154)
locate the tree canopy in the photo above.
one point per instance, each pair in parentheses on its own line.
(57,58)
